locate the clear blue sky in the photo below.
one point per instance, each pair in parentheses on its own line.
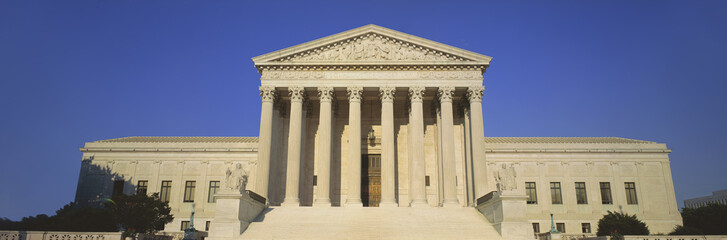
(79,71)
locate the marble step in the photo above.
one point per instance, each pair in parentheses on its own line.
(370,223)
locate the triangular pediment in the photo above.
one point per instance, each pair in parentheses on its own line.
(372,45)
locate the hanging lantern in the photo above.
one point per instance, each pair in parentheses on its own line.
(371,135)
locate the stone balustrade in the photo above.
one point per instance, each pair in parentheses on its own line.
(563,236)
(43,235)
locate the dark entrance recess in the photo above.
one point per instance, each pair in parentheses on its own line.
(371,180)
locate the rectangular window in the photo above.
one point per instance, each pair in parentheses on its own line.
(141,187)
(426,181)
(118,188)
(185,225)
(555,195)
(165,191)
(532,193)
(631,193)
(207,226)
(189,187)
(606,193)
(214,187)
(586,227)
(581,197)
(560,227)
(536,228)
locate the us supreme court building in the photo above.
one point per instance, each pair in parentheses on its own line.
(375,130)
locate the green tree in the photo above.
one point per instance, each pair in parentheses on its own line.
(710,219)
(140,213)
(684,230)
(70,217)
(82,219)
(621,223)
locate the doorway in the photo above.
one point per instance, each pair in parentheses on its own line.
(371,180)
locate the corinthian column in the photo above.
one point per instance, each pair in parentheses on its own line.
(449,172)
(355,95)
(324,148)
(474,94)
(388,168)
(297,94)
(418,185)
(267,95)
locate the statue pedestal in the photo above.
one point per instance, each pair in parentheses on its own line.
(506,211)
(234,212)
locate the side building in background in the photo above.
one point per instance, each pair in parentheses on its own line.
(717,197)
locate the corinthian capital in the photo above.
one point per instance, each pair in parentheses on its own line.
(326,94)
(445,93)
(354,93)
(268,93)
(416,94)
(474,94)
(387,93)
(296,94)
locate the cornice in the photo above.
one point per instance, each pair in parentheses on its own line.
(90,150)
(570,150)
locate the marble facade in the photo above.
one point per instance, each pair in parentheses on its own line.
(417,104)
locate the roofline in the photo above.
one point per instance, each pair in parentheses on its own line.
(371,28)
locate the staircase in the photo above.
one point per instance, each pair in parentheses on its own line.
(370,223)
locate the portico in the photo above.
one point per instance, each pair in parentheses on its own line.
(371,90)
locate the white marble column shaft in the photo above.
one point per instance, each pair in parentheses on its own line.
(449,171)
(388,168)
(267,95)
(474,94)
(297,94)
(418,184)
(325,140)
(355,95)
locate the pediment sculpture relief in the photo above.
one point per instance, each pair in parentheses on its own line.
(371,47)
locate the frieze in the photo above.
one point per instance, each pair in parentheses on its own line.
(322,75)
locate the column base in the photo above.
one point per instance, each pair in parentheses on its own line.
(419,204)
(322,203)
(388,205)
(353,203)
(452,205)
(291,203)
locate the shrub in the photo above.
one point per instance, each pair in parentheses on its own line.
(621,223)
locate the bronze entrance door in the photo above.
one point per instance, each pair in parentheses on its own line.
(371,180)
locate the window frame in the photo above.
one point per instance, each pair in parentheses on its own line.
(631,197)
(211,194)
(182,225)
(560,227)
(165,191)
(189,189)
(607,198)
(532,191)
(536,228)
(556,193)
(581,193)
(142,188)
(585,227)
